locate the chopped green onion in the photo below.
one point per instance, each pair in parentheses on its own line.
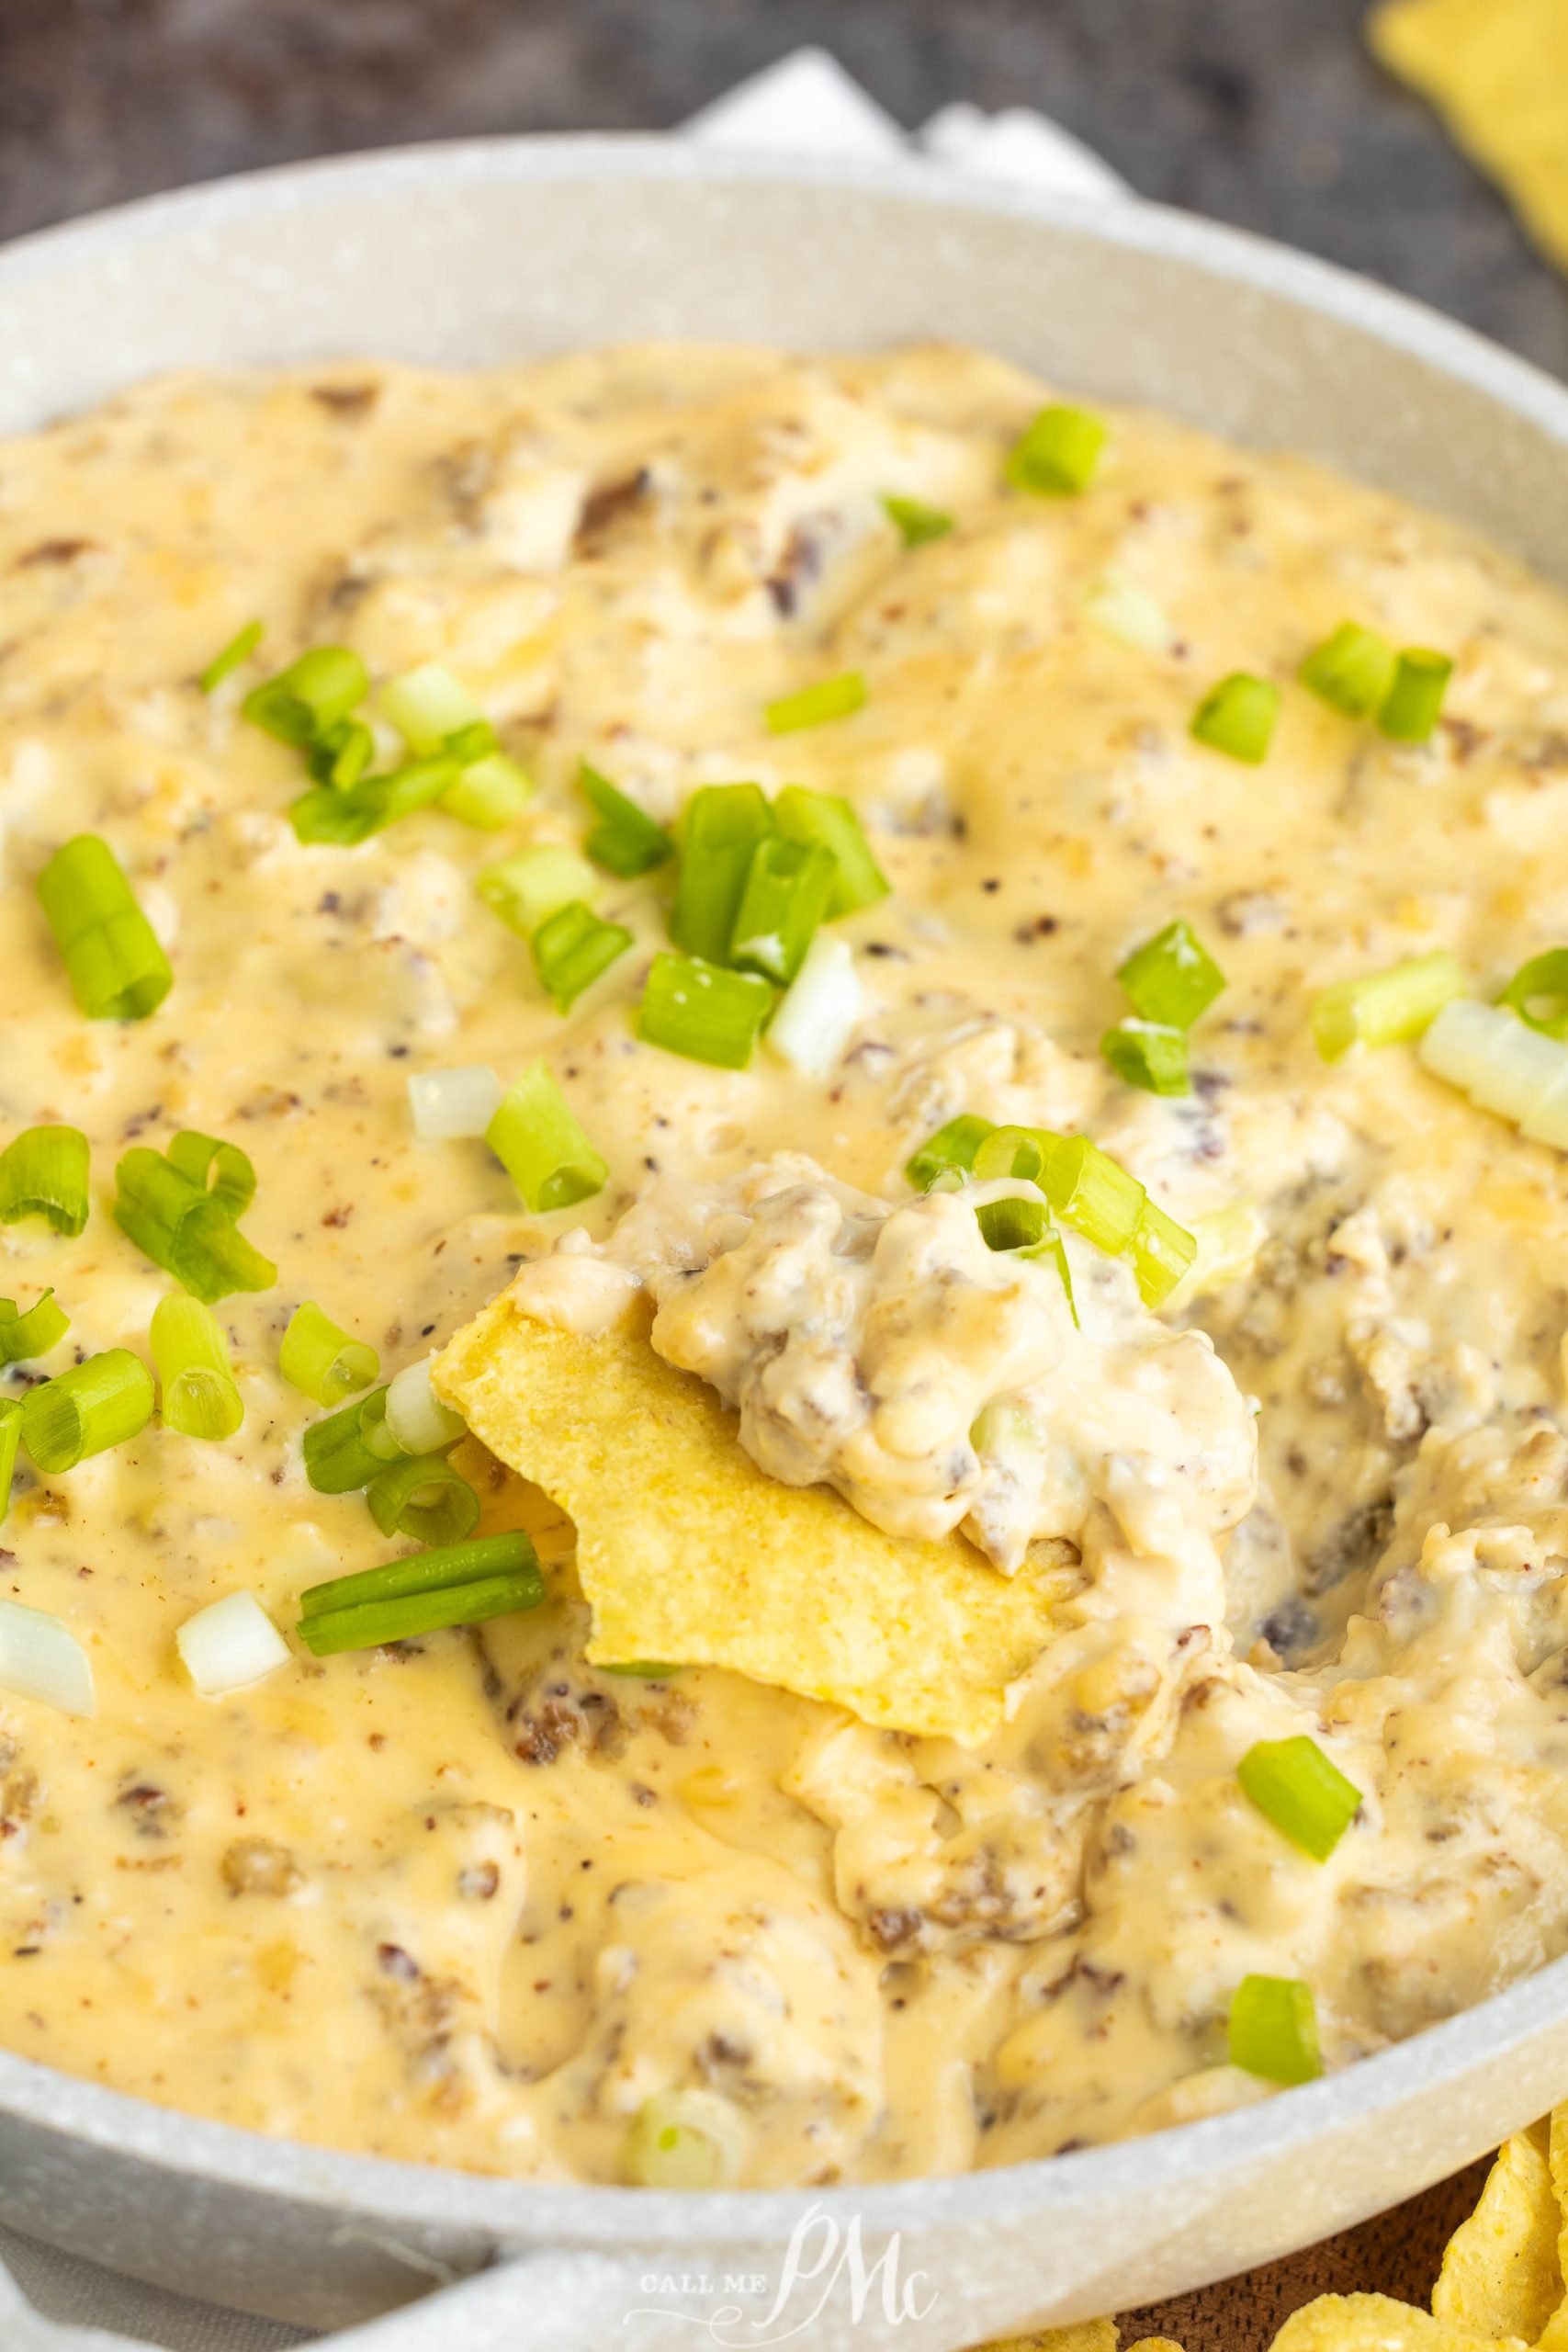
(43,1172)
(787,888)
(1012,1151)
(239,648)
(471,744)
(447,1105)
(719,830)
(1273,2030)
(705,1013)
(22,1336)
(428,705)
(1016,1223)
(437,1571)
(541,1145)
(192,1357)
(1538,992)
(345,818)
(187,1230)
(626,841)
(425,1498)
(1051,1245)
(1383,1008)
(1350,670)
(1412,702)
(489,793)
(950,1152)
(322,1361)
(342,755)
(1299,1790)
(1122,611)
(828,818)
(1161,1252)
(116,968)
(1228,1242)
(644,1669)
(370,1624)
(815,1020)
(375,1431)
(1171,978)
(221,1169)
(1056,455)
(1237,717)
(1149,1054)
(571,948)
(686,2138)
(916,523)
(10,1439)
(230,1645)
(84,1411)
(338,1458)
(417,1419)
(1090,1193)
(829,698)
(311,697)
(41,1659)
(525,890)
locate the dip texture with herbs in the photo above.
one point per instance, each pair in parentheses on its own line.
(1287,1450)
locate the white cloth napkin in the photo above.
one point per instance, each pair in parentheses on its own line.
(806,105)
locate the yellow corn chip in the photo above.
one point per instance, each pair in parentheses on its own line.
(1087,2336)
(686,1551)
(1154,2343)
(1377,2323)
(1555,2335)
(1497,70)
(1500,2274)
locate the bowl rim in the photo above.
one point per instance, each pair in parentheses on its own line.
(510,2209)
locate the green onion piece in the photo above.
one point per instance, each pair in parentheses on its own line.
(788,885)
(1412,702)
(1161,1252)
(1273,2030)
(1012,1151)
(239,648)
(705,1013)
(221,1169)
(541,1145)
(323,1361)
(192,1357)
(375,1431)
(626,841)
(489,793)
(917,523)
(22,1336)
(470,744)
(427,706)
(1171,978)
(1351,670)
(10,1439)
(338,1460)
(525,890)
(1090,1191)
(1149,1054)
(571,948)
(1299,1790)
(1058,453)
(373,1623)
(828,818)
(454,1564)
(719,830)
(1014,1223)
(345,819)
(1051,1245)
(950,1152)
(644,1669)
(87,1410)
(1237,717)
(189,1232)
(1383,1008)
(1538,992)
(342,755)
(43,1172)
(423,1495)
(303,702)
(829,698)
(118,970)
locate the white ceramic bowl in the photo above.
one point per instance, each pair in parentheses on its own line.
(492,251)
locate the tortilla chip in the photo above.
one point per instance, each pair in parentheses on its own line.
(688,1551)
(1378,2323)
(1087,2336)
(1498,71)
(1501,2274)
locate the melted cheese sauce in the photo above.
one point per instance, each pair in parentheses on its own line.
(472,1901)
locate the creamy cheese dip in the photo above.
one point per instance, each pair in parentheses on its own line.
(472,1901)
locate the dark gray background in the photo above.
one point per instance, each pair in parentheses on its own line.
(1266,112)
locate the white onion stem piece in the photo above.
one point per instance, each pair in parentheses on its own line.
(41,1659)
(449,1104)
(1496,1058)
(415,1415)
(230,1645)
(820,1008)
(1117,608)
